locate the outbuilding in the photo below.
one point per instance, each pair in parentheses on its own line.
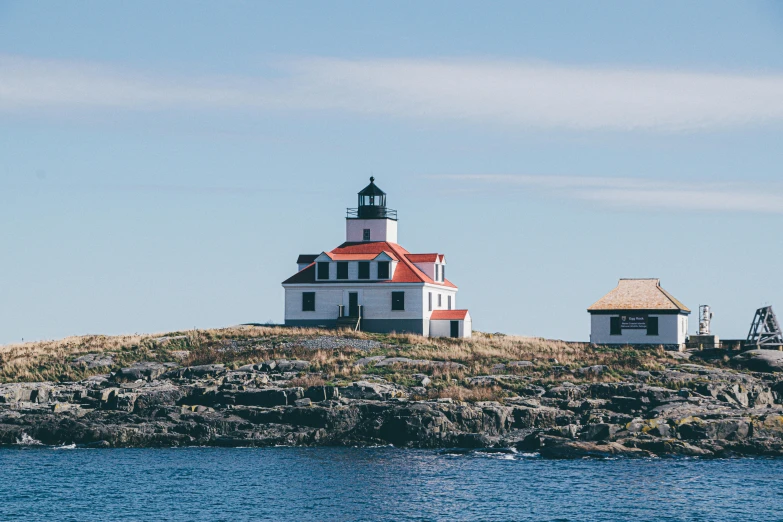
(639,312)
(450,323)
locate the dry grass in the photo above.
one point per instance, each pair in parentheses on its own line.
(306,381)
(460,393)
(235,346)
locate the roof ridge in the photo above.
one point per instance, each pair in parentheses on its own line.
(673,299)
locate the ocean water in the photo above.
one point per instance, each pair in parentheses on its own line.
(320,484)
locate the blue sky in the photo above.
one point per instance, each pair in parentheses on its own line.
(163,164)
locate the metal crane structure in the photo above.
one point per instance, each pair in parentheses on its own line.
(765,330)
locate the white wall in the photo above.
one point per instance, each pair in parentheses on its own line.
(375,298)
(380,230)
(440,328)
(327,299)
(442,290)
(429,269)
(672,329)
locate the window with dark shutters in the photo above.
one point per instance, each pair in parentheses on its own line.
(342,270)
(398,300)
(614,326)
(364,270)
(383,270)
(323,270)
(308,301)
(652,326)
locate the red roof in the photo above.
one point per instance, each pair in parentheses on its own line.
(406,271)
(423,258)
(449,315)
(341,256)
(350,257)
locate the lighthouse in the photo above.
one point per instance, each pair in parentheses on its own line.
(371,220)
(372,283)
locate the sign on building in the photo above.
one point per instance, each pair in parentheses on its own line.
(633,322)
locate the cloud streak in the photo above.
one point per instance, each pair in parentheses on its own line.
(646,194)
(507,93)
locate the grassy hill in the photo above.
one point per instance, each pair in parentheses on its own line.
(333,357)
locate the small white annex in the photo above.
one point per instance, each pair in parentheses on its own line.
(639,312)
(371,283)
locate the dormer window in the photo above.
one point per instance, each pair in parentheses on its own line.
(443,273)
(323,270)
(342,270)
(383,270)
(364,270)
(437,273)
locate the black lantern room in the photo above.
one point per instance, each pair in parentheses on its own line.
(372,204)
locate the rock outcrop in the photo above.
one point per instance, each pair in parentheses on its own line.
(686,410)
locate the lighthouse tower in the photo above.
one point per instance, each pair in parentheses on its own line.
(371,220)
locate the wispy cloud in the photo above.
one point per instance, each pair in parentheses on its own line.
(646,194)
(520,94)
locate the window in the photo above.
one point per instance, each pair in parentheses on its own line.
(449,302)
(323,270)
(364,270)
(342,270)
(652,326)
(440,301)
(430,301)
(614,326)
(366,235)
(436,273)
(443,273)
(383,270)
(308,301)
(398,300)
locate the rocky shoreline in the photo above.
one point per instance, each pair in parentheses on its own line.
(688,409)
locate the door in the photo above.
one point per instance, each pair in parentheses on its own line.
(353,304)
(455,328)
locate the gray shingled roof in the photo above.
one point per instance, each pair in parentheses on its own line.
(638,294)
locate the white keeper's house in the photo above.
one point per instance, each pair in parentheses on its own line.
(639,312)
(372,283)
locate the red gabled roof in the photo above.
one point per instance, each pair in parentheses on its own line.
(423,258)
(406,271)
(350,257)
(449,315)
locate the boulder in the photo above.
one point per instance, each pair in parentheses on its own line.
(366,361)
(268,397)
(760,360)
(147,371)
(592,371)
(596,432)
(370,391)
(580,450)
(284,365)
(322,393)
(149,399)
(94,360)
